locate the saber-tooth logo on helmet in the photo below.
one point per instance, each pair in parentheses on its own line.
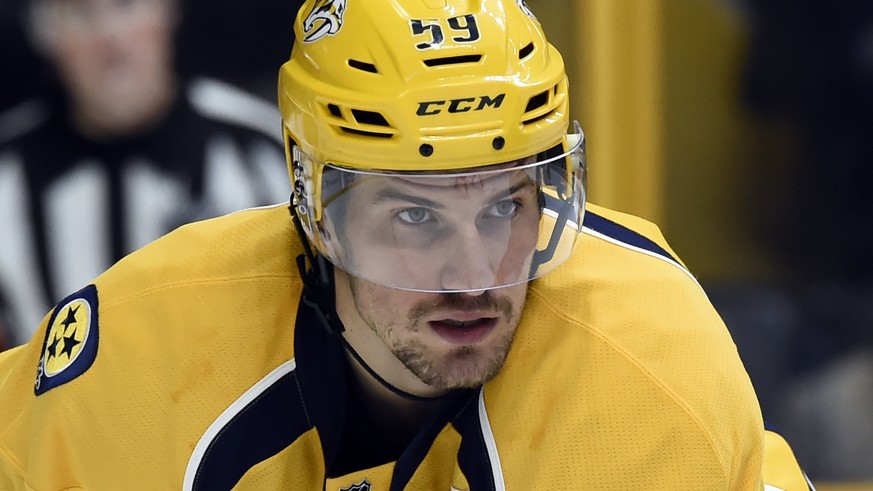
(325,19)
(523,6)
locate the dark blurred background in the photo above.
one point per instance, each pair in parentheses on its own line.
(241,44)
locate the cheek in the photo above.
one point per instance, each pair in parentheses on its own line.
(374,307)
(146,47)
(79,70)
(385,308)
(72,54)
(372,302)
(154,34)
(517,295)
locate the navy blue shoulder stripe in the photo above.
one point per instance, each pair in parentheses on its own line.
(473,456)
(268,424)
(623,234)
(411,458)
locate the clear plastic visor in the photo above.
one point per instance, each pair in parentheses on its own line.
(464,231)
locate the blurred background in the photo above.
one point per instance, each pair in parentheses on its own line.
(121,120)
(744,128)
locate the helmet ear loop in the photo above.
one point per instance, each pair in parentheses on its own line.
(319,292)
(318,288)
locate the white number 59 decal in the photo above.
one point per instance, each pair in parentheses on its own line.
(464,25)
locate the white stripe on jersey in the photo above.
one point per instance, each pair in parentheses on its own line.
(18,263)
(613,240)
(490,444)
(273,180)
(230,104)
(77,217)
(225,417)
(154,201)
(227,182)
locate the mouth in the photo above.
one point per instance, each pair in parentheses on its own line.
(470,331)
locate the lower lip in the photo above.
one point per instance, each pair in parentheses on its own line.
(464,334)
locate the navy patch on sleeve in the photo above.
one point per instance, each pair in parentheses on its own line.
(70,345)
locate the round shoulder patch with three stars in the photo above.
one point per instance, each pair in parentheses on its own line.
(70,345)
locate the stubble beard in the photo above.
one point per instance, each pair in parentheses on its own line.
(465,366)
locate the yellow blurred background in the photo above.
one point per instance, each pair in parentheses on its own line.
(657,86)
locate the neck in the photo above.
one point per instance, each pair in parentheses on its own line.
(380,423)
(406,413)
(395,417)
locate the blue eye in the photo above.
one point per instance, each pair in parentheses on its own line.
(503,209)
(415,216)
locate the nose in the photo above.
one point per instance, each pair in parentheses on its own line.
(469,263)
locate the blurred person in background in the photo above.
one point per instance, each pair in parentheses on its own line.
(810,78)
(16,57)
(127,151)
(5,327)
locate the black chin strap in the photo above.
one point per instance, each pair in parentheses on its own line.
(394,390)
(319,294)
(318,289)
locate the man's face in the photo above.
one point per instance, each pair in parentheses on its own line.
(446,340)
(113,56)
(464,233)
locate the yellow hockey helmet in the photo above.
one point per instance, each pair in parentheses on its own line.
(413,103)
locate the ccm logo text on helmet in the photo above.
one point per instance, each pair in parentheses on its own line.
(462,105)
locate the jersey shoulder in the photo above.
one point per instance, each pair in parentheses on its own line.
(625,284)
(630,310)
(248,244)
(172,334)
(628,231)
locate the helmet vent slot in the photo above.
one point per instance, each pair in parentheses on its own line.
(526,51)
(372,134)
(537,101)
(334,110)
(369,117)
(452,60)
(537,118)
(363,66)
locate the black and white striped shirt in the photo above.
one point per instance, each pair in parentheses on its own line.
(71,206)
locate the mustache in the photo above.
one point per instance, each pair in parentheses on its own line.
(463,302)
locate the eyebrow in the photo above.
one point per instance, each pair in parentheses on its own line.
(513,189)
(388,194)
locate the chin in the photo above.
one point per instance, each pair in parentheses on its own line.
(466,368)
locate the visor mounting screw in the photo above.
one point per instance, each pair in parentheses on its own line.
(426,149)
(498,143)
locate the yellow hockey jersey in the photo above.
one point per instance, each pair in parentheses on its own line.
(192,364)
